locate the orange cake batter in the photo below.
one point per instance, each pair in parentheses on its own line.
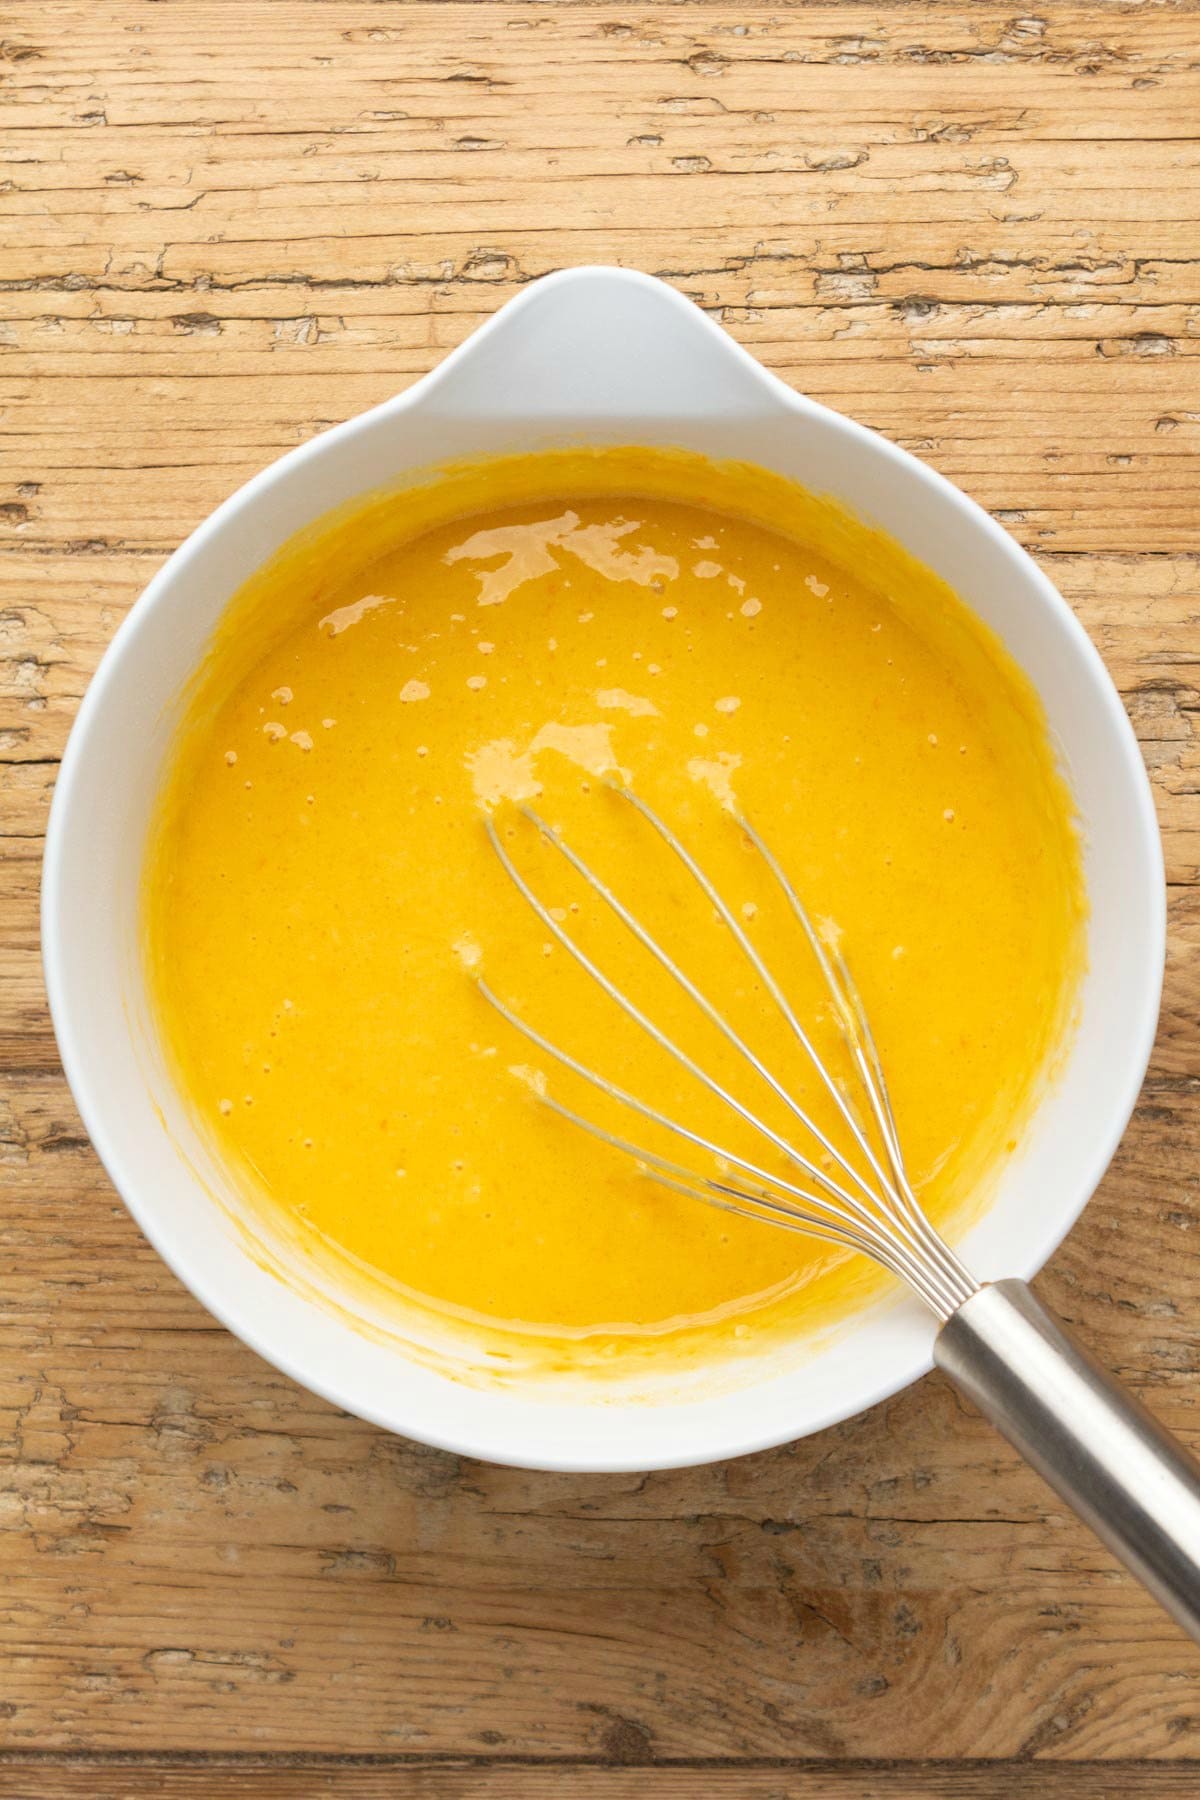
(321,890)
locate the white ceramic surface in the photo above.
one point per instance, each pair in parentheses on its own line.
(592,356)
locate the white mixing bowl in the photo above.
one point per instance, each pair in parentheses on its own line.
(589,356)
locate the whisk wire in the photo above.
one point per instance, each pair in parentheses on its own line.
(639,1106)
(665,961)
(859,1210)
(660,1037)
(884,1222)
(757,962)
(860,1040)
(742,1203)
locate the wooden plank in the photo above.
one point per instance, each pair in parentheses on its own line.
(972,229)
(990,265)
(255,1779)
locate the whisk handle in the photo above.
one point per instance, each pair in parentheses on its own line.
(1098,1447)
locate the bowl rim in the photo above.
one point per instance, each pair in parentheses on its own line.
(905,1370)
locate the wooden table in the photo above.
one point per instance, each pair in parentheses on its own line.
(227,226)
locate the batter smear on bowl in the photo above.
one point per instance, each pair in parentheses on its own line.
(320,889)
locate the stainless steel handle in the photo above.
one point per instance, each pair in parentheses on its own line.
(1097,1446)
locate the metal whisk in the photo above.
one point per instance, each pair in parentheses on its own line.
(1097,1446)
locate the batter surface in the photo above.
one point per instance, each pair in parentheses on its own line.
(320,888)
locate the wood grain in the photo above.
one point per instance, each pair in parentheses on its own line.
(254,1778)
(223,228)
